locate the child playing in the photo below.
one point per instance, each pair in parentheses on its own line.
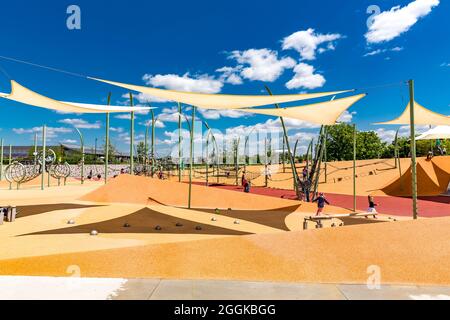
(372,205)
(321,200)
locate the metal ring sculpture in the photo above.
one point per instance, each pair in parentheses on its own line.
(15,172)
(50,157)
(60,170)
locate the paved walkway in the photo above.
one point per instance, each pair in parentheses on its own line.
(438,206)
(156,289)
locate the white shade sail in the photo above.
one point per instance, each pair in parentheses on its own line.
(23,95)
(219,101)
(422,116)
(326,113)
(439,132)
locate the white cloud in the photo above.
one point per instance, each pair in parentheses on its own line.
(171,115)
(346,117)
(51,132)
(217,114)
(391,24)
(307,42)
(199,83)
(69,141)
(388,135)
(261,64)
(445,64)
(142,98)
(158,123)
(231,75)
(378,51)
(305,78)
(81,124)
(118,129)
(123,116)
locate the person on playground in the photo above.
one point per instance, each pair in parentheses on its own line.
(243,178)
(321,200)
(246,185)
(372,205)
(305,173)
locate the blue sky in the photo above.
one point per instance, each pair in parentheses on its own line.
(292,46)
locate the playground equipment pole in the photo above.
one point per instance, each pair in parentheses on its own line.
(1,159)
(107,141)
(266,165)
(131,137)
(82,154)
(191,157)
(396,153)
(44,129)
(236,163)
(325,156)
(153,142)
(179,142)
(354,167)
(413,147)
(10,161)
(294,171)
(206,157)
(35,149)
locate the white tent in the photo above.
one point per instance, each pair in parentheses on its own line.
(439,132)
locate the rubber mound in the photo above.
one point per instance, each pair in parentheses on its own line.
(433,178)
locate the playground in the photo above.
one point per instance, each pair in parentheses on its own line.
(148,232)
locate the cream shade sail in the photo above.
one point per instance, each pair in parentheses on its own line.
(219,101)
(23,95)
(422,116)
(439,132)
(326,113)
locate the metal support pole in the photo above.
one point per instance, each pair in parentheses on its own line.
(35,148)
(179,142)
(413,148)
(1,159)
(44,129)
(325,156)
(354,167)
(236,162)
(131,137)
(191,157)
(266,171)
(82,154)
(107,141)
(206,158)
(153,142)
(9,162)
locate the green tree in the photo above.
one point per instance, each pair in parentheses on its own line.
(340,142)
(368,145)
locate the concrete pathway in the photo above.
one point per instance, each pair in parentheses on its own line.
(24,288)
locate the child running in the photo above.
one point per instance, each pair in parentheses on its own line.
(321,200)
(372,205)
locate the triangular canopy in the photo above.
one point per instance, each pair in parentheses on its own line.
(439,132)
(326,113)
(422,116)
(218,101)
(26,96)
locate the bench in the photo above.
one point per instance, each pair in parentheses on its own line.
(318,219)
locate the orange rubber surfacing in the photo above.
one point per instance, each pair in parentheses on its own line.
(407,252)
(147,191)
